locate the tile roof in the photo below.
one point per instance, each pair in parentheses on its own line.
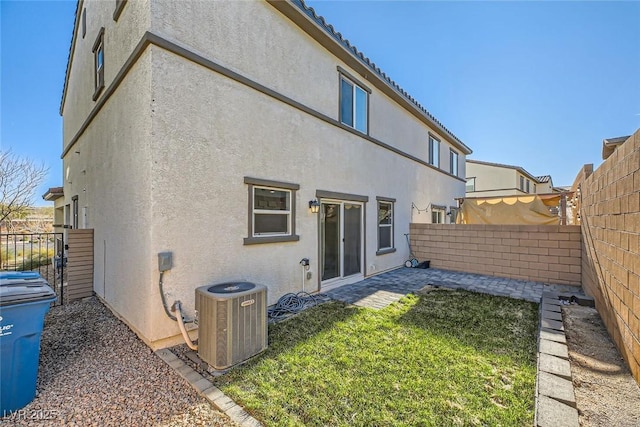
(311,13)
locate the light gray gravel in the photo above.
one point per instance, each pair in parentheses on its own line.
(94,371)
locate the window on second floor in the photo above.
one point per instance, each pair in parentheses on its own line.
(471,185)
(521,183)
(98,62)
(528,186)
(434,152)
(535,190)
(453,162)
(353,105)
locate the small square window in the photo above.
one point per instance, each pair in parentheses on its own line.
(437,215)
(434,152)
(354,106)
(271,211)
(471,185)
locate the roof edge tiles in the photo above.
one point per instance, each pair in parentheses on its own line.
(311,13)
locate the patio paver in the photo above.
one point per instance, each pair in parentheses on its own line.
(386,288)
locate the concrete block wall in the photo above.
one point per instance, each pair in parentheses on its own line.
(547,253)
(610,216)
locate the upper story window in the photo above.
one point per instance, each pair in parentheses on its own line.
(521,183)
(354,105)
(271,211)
(528,186)
(453,162)
(535,190)
(385,225)
(118,10)
(98,60)
(434,152)
(471,185)
(84,22)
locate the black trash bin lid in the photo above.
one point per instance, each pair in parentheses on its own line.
(23,287)
(231,287)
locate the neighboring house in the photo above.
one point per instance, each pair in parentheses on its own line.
(485,179)
(545,185)
(214,130)
(609,145)
(56,195)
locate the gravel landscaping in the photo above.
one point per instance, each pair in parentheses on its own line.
(94,371)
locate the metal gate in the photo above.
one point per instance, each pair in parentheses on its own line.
(41,252)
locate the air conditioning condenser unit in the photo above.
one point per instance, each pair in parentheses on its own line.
(232,322)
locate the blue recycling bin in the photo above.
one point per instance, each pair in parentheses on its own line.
(25,298)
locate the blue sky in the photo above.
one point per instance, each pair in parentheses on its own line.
(534,84)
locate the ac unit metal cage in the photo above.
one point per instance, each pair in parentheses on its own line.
(232,322)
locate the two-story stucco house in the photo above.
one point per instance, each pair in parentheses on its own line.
(241,137)
(486,179)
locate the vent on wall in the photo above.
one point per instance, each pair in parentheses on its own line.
(232,322)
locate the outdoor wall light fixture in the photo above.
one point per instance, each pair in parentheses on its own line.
(314,206)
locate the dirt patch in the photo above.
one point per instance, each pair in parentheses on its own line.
(606,393)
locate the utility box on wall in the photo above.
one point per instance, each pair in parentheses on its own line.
(232,322)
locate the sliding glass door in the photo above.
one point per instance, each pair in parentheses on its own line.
(341,239)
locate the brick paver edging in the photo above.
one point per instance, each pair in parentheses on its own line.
(210,392)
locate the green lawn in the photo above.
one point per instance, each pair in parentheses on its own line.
(444,358)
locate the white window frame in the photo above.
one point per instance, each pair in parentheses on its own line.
(470,182)
(258,211)
(355,87)
(521,183)
(440,214)
(290,234)
(434,151)
(391,204)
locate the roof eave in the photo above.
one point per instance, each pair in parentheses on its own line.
(315,25)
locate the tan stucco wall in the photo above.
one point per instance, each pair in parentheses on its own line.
(200,165)
(493,181)
(161,166)
(120,39)
(110,173)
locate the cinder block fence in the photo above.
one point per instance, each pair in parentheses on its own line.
(547,253)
